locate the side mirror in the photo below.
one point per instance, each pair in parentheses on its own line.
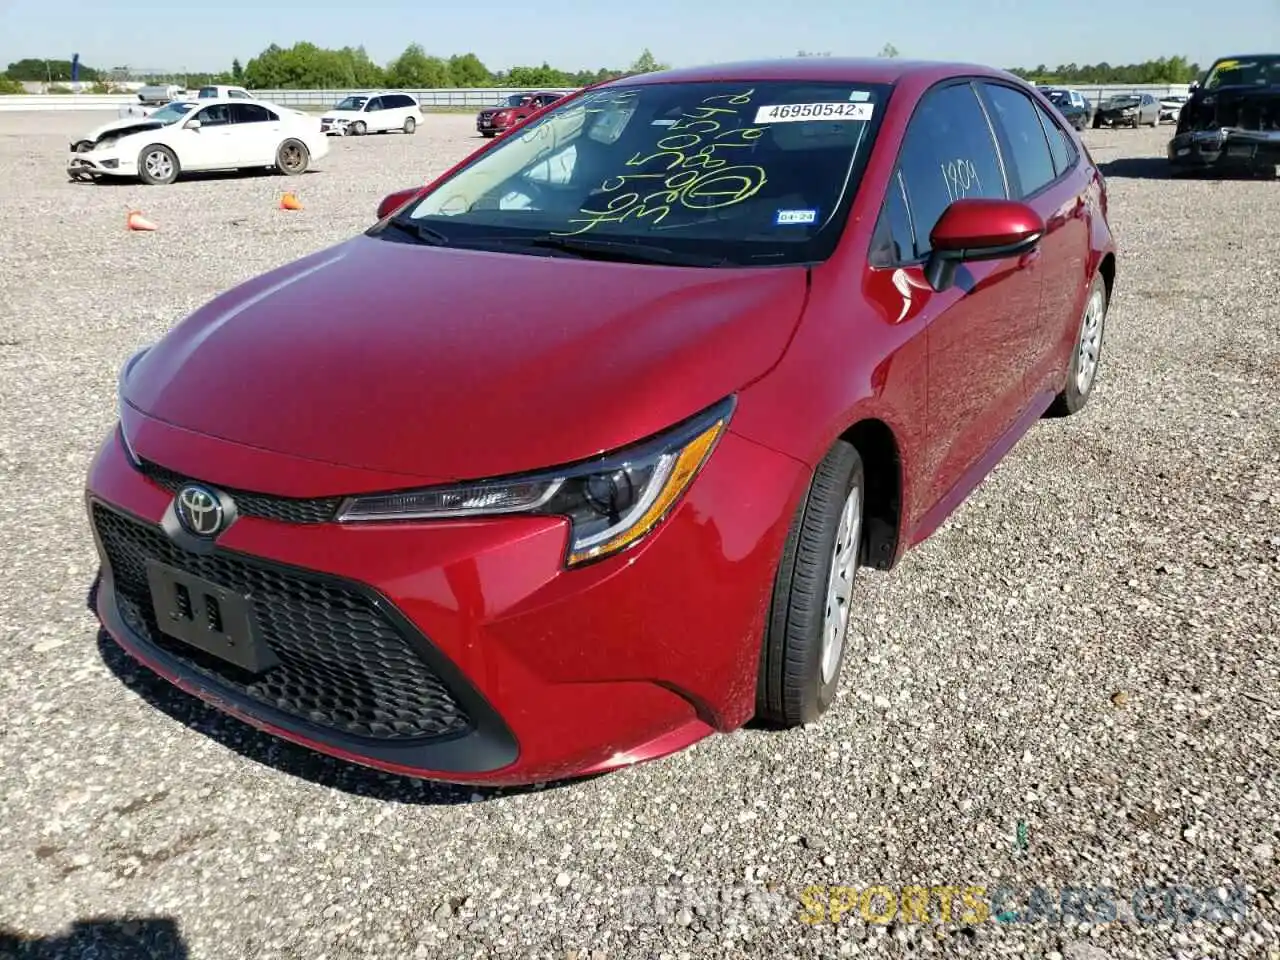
(394,201)
(978,229)
(1193,85)
(192,124)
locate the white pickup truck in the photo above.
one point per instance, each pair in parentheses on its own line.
(219,90)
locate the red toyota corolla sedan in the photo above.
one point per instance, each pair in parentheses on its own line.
(572,459)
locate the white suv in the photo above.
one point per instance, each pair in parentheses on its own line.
(371,113)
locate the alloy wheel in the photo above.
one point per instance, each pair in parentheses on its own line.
(844,565)
(158,165)
(1090,344)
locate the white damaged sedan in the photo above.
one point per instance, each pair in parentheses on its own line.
(214,134)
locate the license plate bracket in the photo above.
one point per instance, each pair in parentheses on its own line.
(209,617)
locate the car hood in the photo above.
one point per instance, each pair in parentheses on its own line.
(342,114)
(458,364)
(137,124)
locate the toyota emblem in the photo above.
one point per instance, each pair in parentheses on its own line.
(199,510)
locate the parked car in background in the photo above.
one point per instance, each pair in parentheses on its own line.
(1072,104)
(334,507)
(492,121)
(1171,106)
(209,134)
(1128,110)
(377,112)
(151,120)
(1232,118)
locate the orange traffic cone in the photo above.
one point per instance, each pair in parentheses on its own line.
(136,221)
(290,201)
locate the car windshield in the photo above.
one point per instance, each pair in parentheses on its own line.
(172,112)
(1058,96)
(206,92)
(711,173)
(1254,71)
(1123,101)
(351,103)
(515,100)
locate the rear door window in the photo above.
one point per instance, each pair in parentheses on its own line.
(1028,156)
(250,113)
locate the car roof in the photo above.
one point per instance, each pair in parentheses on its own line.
(889,70)
(206,101)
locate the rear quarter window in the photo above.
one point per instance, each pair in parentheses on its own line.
(1060,146)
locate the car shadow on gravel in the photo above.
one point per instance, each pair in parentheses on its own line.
(107,938)
(200,177)
(1158,168)
(290,758)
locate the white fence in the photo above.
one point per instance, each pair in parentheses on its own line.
(442,97)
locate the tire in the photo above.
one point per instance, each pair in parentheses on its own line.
(357,129)
(293,158)
(794,687)
(157,165)
(410,125)
(1075,393)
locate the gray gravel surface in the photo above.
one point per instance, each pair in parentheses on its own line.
(1076,682)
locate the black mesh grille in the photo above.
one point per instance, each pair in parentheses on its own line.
(284,509)
(343,664)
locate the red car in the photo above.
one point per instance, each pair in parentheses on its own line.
(760,326)
(518,107)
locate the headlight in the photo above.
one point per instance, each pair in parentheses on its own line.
(611,503)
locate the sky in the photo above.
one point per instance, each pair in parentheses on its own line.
(587,34)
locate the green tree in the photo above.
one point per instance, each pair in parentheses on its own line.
(413,69)
(466,70)
(49,71)
(237,71)
(647,63)
(888,50)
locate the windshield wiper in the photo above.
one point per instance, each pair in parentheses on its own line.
(623,251)
(419,231)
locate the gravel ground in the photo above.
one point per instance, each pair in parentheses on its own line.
(1074,683)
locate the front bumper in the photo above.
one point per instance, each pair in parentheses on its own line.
(334,128)
(100,163)
(493,126)
(1226,148)
(459,650)
(1116,119)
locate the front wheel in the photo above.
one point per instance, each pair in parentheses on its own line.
(1082,372)
(293,158)
(157,165)
(358,129)
(804,641)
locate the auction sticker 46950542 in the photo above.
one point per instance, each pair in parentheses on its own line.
(790,112)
